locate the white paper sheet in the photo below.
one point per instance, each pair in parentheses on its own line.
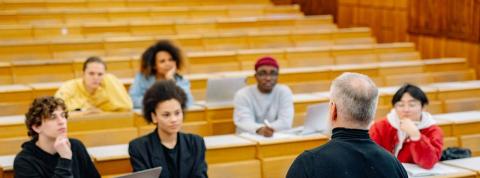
(414,170)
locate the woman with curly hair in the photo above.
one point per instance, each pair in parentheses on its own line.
(159,62)
(181,155)
(50,153)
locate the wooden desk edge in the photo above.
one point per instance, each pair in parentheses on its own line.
(110,158)
(230,146)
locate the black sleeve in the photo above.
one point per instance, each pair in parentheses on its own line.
(200,170)
(87,167)
(23,167)
(63,169)
(403,172)
(136,160)
(297,169)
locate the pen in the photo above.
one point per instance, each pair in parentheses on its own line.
(267,123)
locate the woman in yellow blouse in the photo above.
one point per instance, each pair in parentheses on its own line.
(95,91)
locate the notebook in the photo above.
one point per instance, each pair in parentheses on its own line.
(414,170)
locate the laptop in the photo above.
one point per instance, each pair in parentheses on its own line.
(316,121)
(220,91)
(147,173)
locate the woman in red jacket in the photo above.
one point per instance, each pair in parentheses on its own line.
(408,131)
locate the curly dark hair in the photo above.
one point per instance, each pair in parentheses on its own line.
(159,92)
(148,62)
(41,108)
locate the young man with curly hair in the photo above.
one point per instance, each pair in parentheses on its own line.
(50,153)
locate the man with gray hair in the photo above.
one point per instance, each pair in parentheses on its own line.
(350,152)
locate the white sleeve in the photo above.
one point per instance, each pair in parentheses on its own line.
(243,116)
(285,111)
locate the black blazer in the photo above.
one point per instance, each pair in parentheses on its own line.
(147,152)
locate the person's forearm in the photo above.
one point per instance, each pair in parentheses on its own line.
(63,169)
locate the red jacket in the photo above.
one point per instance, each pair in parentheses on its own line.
(424,152)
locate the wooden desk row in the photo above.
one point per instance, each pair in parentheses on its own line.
(220,25)
(300,56)
(227,155)
(205,65)
(35,71)
(315,79)
(465,126)
(16,98)
(216,120)
(93,4)
(141,14)
(134,46)
(301,80)
(211,119)
(235,156)
(38,73)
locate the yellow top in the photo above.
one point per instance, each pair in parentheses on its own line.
(110,96)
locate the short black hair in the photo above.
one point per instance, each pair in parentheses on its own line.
(93,59)
(148,62)
(159,92)
(413,90)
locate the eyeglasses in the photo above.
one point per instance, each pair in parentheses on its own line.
(409,105)
(263,74)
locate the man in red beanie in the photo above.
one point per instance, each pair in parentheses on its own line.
(266,107)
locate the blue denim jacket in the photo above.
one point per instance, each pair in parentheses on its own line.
(141,84)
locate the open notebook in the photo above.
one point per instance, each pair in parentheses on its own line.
(414,170)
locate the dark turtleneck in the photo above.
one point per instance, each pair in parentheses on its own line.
(350,153)
(346,134)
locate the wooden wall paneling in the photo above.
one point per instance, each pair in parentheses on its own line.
(423,22)
(460,19)
(363,3)
(400,25)
(454,48)
(365,16)
(427,16)
(348,2)
(476,20)
(345,15)
(385,3)
(474,56)
(401,4)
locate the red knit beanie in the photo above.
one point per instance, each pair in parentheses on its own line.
(267,60)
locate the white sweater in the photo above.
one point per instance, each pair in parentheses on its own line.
(252,107)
